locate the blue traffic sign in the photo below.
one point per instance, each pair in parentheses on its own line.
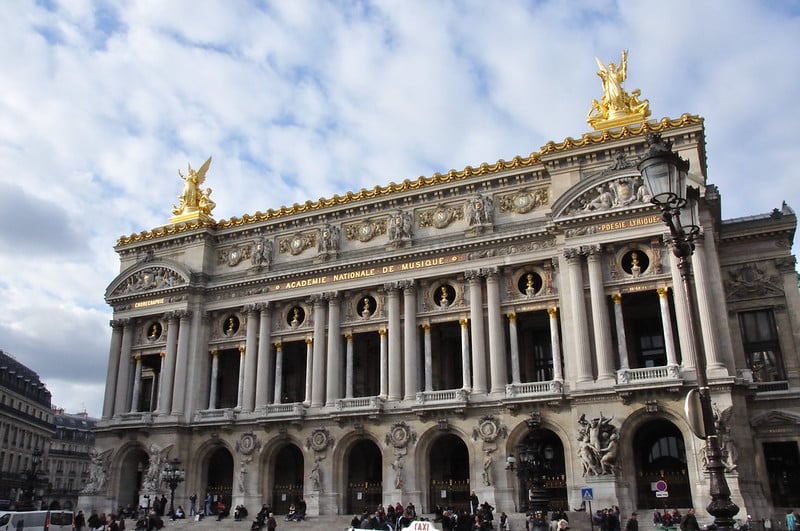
(586,494)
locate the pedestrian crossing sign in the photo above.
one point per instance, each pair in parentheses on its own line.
(586,494)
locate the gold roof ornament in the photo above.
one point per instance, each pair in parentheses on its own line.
(617,107)
(195,203)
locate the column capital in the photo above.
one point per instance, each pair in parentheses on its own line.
(170,316)
(278,345)
(309,341)
(662,292)
(512,317)
(464,322)
(592,251)
(348,337)
(552,312)
(251,308)
(215,353)
(407,285)
(242,350)
(617,298)
(119,323)
(162,355)
(426,327)
(572,254)
(473,275)
(138,358)
(381,332)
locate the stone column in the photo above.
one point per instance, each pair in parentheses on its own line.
(497,339)
(666,323)
(582,353)
(514,339)
(240,386)
(348,379)
(113,367)
(685,339)
(600,320)
(395,348)
(426,331)
(278,372)
(334,351)
(621,337)
(318,372)
(705,307)
(168,365)
(250,359)
(309,360)
(478,339)
(181,363)
(137,388)
(212,392)
(264,381)
(411,354)
(466,379)
(122,398)
(384,363)
(555,344)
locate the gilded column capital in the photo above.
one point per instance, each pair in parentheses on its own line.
(381,332)
(349,337)
(278,345)
(309,341)
(426,327)
(617,298)
(242,350)
(215,353)
(512,317)
(552,312)
(662,292)
(464,322)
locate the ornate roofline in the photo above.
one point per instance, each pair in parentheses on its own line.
(588,139)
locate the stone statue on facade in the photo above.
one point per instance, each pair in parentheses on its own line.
(98,470)
(730,453)
(598,442)
(400,226)
(262,252)
(158,461)
(479,210)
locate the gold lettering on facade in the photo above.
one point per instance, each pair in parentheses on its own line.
(145,304)
(628,223)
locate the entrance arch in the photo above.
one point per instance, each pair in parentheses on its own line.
(660,454)
(449,464)
(219,474)
(134,466)
(287,486)
(554,471)
(364,477)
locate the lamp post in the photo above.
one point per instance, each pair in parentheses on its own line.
(30,478)
(173,476)
(664,172)
(533,461)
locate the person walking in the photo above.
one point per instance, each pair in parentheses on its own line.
(193,504)
(633,523)
(791,521)
(689,521)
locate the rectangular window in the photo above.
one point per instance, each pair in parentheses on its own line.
(761,346)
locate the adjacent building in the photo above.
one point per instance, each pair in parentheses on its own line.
(404,343)
(71,450)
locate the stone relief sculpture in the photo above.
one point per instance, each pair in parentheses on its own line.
(400,226)
(262,252)
(730,453)
(397,466)
(487,467)
(98,470)
(597,445)
(149,279)
(158,461)
(316,475)
(619,193)
(328,239)
(479,210)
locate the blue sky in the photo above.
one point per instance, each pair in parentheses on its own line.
(101,102)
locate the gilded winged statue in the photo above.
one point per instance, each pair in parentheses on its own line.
(616,107)
(194,199)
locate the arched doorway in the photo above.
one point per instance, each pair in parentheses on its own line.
(545,448)
(364,477)
(287,485)
(449,466)
(220,476)
(134,466)
(660,455)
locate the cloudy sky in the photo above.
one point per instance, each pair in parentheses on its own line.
(101,102)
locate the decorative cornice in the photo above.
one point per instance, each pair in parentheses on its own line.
(551,148)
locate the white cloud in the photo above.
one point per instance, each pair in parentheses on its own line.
(102,102)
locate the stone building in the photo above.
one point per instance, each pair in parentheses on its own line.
(26,425)
(402,343)
(70,456)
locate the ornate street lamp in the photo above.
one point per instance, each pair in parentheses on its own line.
(534,456)
(31,476)
(173,476)
(664,172)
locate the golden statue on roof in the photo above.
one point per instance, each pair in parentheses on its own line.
(617,107)
(194,202)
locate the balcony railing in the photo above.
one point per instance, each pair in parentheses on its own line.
(362,403)
(455,396)
(648,375)
(528,389)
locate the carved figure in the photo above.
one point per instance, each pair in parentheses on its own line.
(98,470)
(614,96)
(328,239)
(487,468)
(262,253)
(158,460)
(730,453)
(190,198)
(400,226)
(597,445)
(480,210)
(603,201)
(616,104)
(397,466)
(315,476)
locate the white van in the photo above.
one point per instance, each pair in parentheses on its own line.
(37,521)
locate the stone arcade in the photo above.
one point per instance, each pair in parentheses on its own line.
(395,344)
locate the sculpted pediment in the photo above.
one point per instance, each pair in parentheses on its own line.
(148,276)
(617,187)
(775,418)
